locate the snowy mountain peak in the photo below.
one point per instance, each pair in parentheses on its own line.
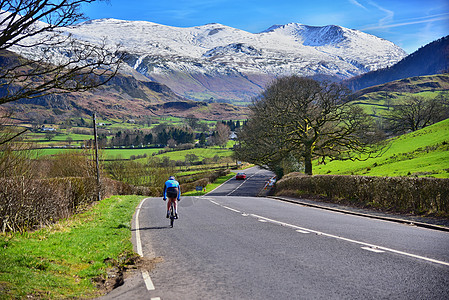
(218,61)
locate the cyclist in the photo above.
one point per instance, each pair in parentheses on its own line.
(172,191)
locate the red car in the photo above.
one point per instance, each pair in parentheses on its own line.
(240,176)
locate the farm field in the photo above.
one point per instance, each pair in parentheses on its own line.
(421,153)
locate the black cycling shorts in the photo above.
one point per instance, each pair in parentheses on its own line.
(172,192)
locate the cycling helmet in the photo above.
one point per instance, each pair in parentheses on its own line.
(171,178)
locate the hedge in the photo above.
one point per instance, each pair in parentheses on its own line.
(28,203)
(411,195)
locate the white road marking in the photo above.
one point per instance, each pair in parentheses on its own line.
(218,187)
(146,277)
(156,298)
(373,250)
(356,242)
(148,282)
(366,246)
(138,240)
(234,210)
(242,183)
(262,220)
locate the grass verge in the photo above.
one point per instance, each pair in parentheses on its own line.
(66,259)
(210,186)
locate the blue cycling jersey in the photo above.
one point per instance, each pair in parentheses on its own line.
(172,184)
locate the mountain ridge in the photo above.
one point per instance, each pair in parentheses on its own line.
(197,62)
(430,59)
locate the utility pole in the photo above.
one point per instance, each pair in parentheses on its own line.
(96,157)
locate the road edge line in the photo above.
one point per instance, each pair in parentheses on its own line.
(145,275)
(396,220)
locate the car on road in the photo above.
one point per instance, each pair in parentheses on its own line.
(240,176)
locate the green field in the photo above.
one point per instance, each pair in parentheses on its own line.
(200,152)
(421,153)
(127,153)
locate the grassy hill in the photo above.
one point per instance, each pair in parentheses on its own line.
(421,153)
(380,98)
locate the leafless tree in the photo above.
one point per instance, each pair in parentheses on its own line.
(62,64)
(415,112)
(221,134)
(301,118)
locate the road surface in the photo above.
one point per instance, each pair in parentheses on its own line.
(229,245)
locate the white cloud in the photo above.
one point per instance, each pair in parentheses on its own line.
(355,2)
(421,20)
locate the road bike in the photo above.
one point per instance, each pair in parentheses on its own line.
(172,214)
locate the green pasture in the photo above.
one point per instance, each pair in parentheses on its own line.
(121,153)
(202,153)
(376,103)
(421,153)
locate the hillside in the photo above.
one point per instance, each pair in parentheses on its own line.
(126,96)
(421,153)
(381,97)
(428,60)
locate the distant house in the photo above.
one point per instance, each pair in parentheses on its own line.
(232,135)
(43,128)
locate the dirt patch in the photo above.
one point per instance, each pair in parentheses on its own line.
(125,266)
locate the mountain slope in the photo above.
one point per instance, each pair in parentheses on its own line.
(428,60)
(224,63)
(130,95)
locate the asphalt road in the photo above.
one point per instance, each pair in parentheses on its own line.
(228,246)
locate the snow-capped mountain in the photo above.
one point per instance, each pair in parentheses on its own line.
(221,62)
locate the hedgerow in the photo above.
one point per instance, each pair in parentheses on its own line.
(413,195)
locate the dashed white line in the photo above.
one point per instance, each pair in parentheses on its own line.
(373,249)
(148,282)
(366,246)
(231,209)
(242,183)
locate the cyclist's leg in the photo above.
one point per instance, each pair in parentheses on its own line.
(168,206)
(175,206)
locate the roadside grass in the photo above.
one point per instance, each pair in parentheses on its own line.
(421,153)
(62,260)
(210,186)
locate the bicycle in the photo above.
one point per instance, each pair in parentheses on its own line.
(172,215)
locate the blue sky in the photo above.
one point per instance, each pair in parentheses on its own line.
(409,24)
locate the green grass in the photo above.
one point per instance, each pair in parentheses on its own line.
(421,153)
(60,261)
(210,186)
(200,152)
(375,103)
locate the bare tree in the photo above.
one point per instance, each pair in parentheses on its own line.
(301,118)
(221,134)
(416,112)
(60,63)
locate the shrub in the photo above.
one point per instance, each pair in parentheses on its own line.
(398,194)
(28,203)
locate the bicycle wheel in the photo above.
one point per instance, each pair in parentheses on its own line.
(172,215)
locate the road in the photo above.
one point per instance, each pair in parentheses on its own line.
(229,246)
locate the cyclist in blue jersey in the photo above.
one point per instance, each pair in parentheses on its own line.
(172,191)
